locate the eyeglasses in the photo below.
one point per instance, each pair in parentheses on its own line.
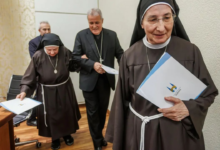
(167,19)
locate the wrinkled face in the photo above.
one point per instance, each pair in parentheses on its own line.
(158,31)
(52,50)
(44,28)
(95,24)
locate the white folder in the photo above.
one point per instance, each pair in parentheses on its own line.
(17,106)
(169,78)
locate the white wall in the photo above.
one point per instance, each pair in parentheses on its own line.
(201,21)
(67,18)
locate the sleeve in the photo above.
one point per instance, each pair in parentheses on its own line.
(116,124)
(86,64)
(32,48)
(72,65)
(119,51)
(198,108)
(28,82)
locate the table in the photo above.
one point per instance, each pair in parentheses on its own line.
(6,130)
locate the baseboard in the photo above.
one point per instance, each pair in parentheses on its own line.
(82,102)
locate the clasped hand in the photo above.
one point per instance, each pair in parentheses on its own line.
(97,66)
(176,113)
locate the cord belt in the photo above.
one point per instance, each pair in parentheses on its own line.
(145,120)
(42,87)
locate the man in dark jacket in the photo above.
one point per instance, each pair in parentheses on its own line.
(33,44)
(44,28)
(100,46)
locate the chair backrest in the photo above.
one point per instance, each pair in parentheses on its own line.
(13,91)
(14,86)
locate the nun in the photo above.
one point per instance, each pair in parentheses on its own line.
(157,30)
(59,115)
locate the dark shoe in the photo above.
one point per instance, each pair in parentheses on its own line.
(104,143)
(98,148)
(55,144)
(68,140)
(31,122)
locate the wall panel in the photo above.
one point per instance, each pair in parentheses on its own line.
(65,6)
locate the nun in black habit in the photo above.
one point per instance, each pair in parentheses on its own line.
(158,29)
(59,115)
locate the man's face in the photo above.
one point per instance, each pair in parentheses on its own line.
(95,24)
(52,50)
(160,31)
(44,28)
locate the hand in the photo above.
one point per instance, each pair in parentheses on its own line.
(176,113)
(98,68)
(84,56)
(21,96)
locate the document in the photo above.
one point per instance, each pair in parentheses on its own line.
(169,78)
(109,70)
(17,106)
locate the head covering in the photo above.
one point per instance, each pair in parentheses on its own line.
(144,5)
(50,39)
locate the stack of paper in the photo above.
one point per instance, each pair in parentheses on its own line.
(170,78)
(17,106)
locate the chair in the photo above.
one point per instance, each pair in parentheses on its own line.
(13,91)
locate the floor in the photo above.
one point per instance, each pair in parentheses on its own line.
(82,138)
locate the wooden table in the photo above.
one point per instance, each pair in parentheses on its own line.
(6,130)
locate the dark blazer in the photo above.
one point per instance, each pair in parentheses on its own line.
(33,44)
(85,44)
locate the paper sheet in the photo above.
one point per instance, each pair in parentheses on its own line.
(17,106)
(109,70)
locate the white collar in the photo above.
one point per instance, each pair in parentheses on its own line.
(155,46)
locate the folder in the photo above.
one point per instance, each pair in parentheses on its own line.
(17,106)
(169,78)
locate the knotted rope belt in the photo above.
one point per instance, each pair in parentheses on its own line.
(145,120)
(42,87)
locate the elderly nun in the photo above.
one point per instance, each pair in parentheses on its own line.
(158,30)
(59,115)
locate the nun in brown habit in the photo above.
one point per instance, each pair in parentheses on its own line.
(59,115)
(158,29)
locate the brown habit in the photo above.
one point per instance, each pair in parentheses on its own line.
(124,128)
(61,105)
